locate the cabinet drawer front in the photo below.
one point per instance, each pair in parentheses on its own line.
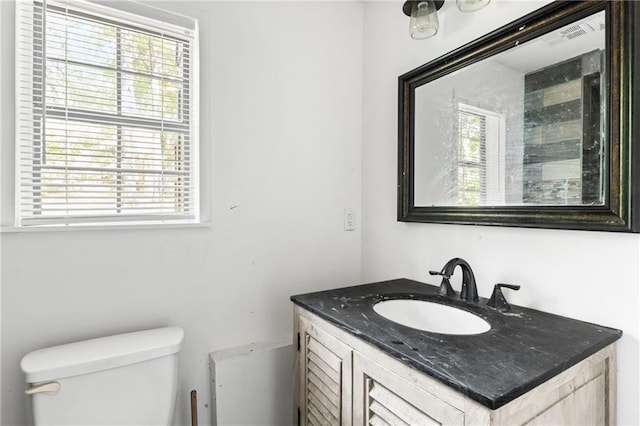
(382,398)
(387,408)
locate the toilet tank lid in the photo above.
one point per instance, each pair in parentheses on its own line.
(99,354)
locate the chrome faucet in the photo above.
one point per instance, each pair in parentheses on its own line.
(469,290)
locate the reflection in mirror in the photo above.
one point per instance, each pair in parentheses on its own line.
(524,127)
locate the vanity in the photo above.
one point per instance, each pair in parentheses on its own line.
(528,126)
(354,366)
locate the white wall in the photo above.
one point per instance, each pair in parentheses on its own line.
(4,43)
(281,137)
(593,276)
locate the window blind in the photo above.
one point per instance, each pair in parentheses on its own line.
(471,158)
(106,117)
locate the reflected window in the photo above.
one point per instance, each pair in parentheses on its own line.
(471,158)
(480,144)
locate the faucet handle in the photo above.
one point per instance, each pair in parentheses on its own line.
(498,300)
(511,286)
(445,286)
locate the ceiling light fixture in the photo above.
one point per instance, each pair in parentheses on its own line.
(471,5)
(424,17)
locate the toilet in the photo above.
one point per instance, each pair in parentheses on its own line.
(127,379)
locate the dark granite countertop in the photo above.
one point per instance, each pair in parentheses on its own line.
(523,349)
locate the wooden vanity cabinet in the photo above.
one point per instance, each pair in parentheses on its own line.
(342,380)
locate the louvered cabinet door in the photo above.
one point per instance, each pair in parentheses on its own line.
(325,378)
(381,398)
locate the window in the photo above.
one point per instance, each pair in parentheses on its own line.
(480,143)
(106,114)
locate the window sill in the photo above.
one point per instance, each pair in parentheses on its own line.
(102,227)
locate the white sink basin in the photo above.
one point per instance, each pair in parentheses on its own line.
(432,317)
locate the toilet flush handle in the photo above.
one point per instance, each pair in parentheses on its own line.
(50,388)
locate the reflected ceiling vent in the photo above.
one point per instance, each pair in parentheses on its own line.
(578,30)
(573,32)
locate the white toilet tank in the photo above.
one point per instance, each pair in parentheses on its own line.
(127,379)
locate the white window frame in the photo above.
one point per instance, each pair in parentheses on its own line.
(143,17)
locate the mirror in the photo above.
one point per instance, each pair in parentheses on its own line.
(527,126)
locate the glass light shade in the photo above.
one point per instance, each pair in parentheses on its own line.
(424,20)
(471,5)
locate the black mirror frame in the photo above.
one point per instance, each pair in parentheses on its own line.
(620,211)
